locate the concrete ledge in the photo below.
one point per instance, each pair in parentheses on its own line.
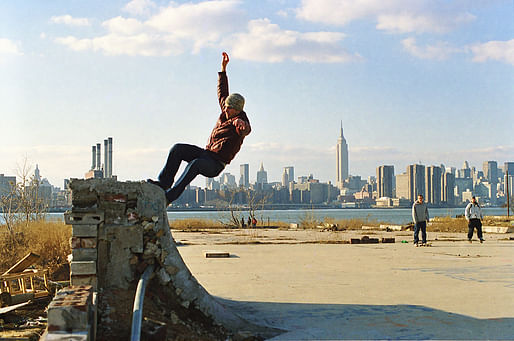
(391,227)
(498,229)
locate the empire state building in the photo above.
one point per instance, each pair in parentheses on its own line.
(342,159)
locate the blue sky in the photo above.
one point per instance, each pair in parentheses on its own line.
(411,80)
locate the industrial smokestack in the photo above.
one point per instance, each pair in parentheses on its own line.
(110,157)
(98,156)
(106,158)
(93,161)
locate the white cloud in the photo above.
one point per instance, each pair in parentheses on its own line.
(502,51)
(439,51)
(140,7)
(267,42)
(69,20)
(142,44)
(397,16)
(203,23)
(8,47)
(124,26)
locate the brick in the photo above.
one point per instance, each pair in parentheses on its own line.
(87,230)
(388,240)
(83,268)
(83,242)
(83,254)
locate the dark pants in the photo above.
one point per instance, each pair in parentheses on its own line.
(200,161)
(423,226)
(471,228)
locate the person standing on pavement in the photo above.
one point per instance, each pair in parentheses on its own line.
(420,218)
(224,143)
(473,214)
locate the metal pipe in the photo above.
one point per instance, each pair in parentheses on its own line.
(137,311)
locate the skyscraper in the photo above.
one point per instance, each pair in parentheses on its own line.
(342,159)
(491,171)
(416,176)
(385,176)
(287,176)
(244,179)
(433,184)
(447,187)
(262,175)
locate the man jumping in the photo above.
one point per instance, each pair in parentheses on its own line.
(224,143)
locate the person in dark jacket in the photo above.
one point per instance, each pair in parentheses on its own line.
(420,217)
(225,141)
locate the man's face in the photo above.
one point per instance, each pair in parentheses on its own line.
(230,112)
(420,198)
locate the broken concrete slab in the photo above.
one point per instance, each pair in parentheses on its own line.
(498,229)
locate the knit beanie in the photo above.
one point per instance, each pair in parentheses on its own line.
(235,101)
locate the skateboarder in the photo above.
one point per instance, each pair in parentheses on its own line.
(224,143)
(473,214)
(420,217)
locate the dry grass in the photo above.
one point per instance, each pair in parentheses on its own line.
(48,239)
(195,224)
(448,224)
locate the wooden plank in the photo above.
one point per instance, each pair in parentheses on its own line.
(24,263)
(12,307)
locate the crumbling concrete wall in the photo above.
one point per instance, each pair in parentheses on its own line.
(119,228)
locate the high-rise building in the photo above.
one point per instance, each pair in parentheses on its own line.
(342,159)
(262,175)
(416,176)
(447,187)
(244,179)
(287,176)
(7,183)
(385,176)
(508,167)
(433,185)
(491,171)
(402,186)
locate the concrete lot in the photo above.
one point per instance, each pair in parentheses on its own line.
(294,281)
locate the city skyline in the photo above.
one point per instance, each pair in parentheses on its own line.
(413,82)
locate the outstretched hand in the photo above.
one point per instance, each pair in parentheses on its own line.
(224,62)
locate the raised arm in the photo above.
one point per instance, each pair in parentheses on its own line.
(223,81)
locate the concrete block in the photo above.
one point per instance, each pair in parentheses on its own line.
(364,227)
(388,240)
(70,310)
(216,254)
(82,254)
(86,230)
(83,268)
(84,218)
(498,229)
(91,280)
(355,241)
(390,227)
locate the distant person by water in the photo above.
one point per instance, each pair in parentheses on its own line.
(473,214)
(420,217)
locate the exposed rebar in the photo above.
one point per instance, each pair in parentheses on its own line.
(137,311)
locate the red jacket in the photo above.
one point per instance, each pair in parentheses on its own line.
(226,140)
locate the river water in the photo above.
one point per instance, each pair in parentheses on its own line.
(393,216)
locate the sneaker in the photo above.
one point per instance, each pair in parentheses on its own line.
(416,244)
(469,240)
(481,241)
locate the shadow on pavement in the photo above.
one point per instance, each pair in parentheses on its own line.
(363,322)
